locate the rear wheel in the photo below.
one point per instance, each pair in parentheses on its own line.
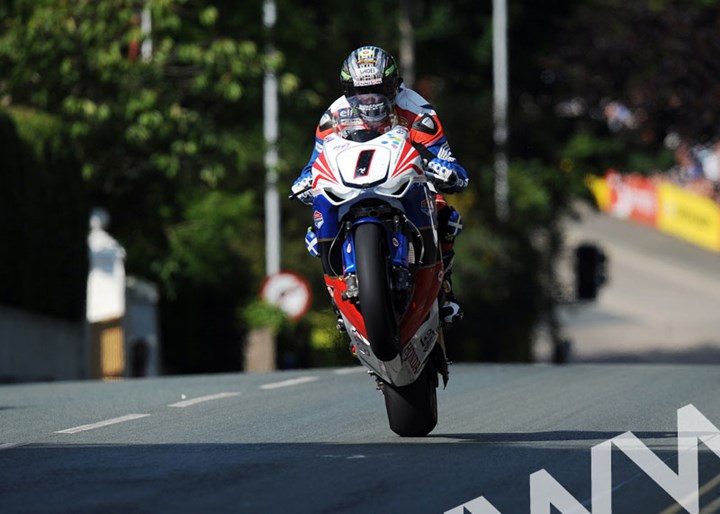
(412,409)
(373,290)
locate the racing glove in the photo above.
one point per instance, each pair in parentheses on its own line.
(302,188)
(442,173)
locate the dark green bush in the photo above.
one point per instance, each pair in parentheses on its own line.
(43,218)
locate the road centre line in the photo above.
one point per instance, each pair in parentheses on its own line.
(210,397)
(288,383)
(7,446)
(347,371)
(100,424)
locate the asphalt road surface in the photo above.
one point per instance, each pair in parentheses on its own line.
(317,441)
(661,303)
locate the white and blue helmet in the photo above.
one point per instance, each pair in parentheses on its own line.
(370,69)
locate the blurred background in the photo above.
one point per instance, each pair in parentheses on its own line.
(133,181)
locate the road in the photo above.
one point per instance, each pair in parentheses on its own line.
(317,441)
(660,304)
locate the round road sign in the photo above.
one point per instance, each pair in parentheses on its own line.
(289,291)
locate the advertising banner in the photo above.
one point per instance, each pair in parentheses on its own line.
(632,197)
(689,216)
(660,204)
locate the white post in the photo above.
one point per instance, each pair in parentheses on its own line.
(407,44)
(500,82)
(146,49)
(270,110)
(260,348)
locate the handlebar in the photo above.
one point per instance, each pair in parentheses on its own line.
(294,195)
(426,154)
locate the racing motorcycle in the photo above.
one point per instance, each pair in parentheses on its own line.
(376,223)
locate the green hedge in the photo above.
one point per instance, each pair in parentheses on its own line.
(43,218)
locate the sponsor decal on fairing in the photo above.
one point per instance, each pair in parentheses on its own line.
(318,219)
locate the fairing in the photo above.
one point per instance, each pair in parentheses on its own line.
(381,181)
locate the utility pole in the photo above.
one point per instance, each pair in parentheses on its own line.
(270,129)
(260,351)
(146,49)
(407,43)
(500,108)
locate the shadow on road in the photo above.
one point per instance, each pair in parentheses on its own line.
(427,475)
(557,436)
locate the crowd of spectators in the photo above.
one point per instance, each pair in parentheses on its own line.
(697,168)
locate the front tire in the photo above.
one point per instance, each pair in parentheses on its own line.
(412,409)
(371,260)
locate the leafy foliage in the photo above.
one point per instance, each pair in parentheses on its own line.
(658,57)
(171,142)
(44,264)
(260,314)
(159,137)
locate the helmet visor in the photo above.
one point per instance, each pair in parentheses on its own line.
(374,109)
(385,88)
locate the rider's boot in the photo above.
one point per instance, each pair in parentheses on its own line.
(450,310)
(450,227)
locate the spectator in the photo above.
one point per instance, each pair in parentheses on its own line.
(689,167)
(711,169)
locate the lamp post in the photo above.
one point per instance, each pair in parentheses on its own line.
(500,107)
(270,130)
(407,43)
(146,49)
(260,350)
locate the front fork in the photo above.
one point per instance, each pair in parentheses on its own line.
(399,249)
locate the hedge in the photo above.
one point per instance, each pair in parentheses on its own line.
(43,218)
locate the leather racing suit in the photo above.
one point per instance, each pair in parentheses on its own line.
(416,113)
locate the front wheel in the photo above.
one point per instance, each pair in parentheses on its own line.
(412,409)
(373,290)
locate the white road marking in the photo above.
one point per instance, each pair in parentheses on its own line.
(288,383)
(670,509)
(708,509)
(7,446)
(347,371)
(100,424)
(210,397)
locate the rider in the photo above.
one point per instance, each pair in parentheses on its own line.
(370,71)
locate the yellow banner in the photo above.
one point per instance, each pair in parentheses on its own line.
(689,216)
(601,191)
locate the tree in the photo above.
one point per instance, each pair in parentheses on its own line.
(168,144)
(173,147)
(657,58)
(44,264)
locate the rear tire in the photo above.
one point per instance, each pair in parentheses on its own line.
(412,409)
(373,276)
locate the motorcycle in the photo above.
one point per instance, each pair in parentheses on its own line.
(376,223)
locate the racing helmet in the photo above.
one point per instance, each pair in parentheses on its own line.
(372,114)
(370,69)
(375,110)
